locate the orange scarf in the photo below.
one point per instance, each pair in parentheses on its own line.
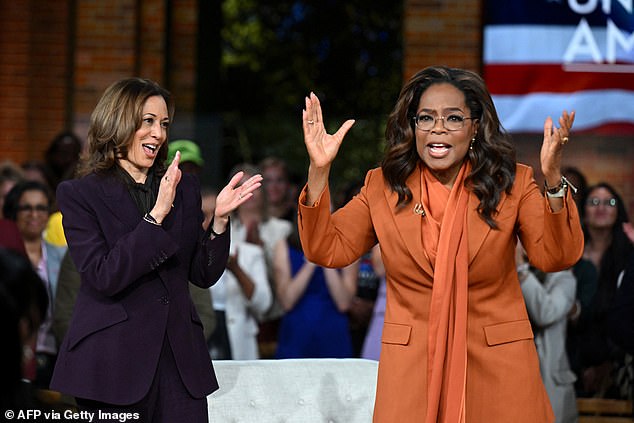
(445,245)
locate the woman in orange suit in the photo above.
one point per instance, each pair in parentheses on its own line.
(446,206)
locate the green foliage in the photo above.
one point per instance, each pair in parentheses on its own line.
(277,52)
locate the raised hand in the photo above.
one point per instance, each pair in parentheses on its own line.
(552,146)
(167,190)
(322,147)
(232,195)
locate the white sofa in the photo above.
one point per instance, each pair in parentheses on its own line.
(294,391)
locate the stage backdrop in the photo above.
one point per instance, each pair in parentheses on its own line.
(543,56)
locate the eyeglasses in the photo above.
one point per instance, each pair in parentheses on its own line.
(453,122)
(596,202)
(39,208)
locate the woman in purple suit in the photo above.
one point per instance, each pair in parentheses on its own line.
(135,342)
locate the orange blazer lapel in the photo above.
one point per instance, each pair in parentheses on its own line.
(409,223)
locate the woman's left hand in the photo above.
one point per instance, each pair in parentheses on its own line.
(552,146)
(232,195)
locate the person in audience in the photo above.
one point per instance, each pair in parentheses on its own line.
(620,320)
(191,157)
(61,157)
(23,307)
(133,222)
(279,190)
(446,207)
(240,297)
(549,297)
(315,300)
(28,204)
(602,367)
(253,224)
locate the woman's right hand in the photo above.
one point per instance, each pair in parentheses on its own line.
(322,147)
(167,190)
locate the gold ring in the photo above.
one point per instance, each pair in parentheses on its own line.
(564,140)
(310,122)
(240,196)
(167,179)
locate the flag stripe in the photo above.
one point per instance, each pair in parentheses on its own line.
(526,78)
(593,108)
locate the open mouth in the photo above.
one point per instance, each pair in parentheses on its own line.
(438,148)
(150,149)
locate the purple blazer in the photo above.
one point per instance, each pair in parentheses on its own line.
(134,291)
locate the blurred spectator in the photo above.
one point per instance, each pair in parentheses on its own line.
(35,170)
(240,297)
(279,189)
(191,157)
(23,306)
(621,314)
(603,369)
(548,299)
(252,223)
(10,174)
(315,300)
(28,204)
(61,157)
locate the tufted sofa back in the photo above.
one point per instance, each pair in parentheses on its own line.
(294,391)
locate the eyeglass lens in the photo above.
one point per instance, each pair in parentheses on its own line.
(40,208)
(426,122)
(608,202)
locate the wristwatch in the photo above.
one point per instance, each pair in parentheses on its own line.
(559,191)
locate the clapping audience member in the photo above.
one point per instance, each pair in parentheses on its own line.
(28,204)
(549,297)
(315,301)
(602,367)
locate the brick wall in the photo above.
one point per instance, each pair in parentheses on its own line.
(56,62)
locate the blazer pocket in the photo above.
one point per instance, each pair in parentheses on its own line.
(394,333)
(95,321)
(503,333)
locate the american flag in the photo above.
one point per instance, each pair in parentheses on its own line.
(544,56)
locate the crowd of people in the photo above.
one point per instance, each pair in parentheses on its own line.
(394,271)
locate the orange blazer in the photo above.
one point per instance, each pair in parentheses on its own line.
(503,379)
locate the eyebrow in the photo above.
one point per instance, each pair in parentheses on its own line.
(447,109)
(154,115)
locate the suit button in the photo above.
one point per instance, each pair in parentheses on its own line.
(164,300)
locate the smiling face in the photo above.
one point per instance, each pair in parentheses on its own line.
(148,139)
(441,150)
(32,214)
